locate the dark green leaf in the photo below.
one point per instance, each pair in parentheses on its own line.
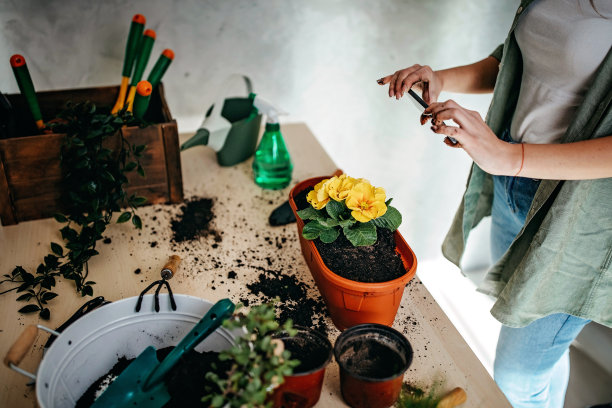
(48,296)
(139,201)
(310,213)
(29,309)
(137,221)
(87,290)
(361,234)
(140,170)
(57,249)
(44,314)
(329,235)
(130,166)
(391,220)
(388,202)
(334,209)
(18,271)
(312,230)
(25,296)
(124,217)
(60,217)
(139,149)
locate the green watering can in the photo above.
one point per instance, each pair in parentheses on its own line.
(231,126)
(141,384)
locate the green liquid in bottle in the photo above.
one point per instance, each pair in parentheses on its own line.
(272,166)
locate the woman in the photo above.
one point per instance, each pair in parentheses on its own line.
(543,171)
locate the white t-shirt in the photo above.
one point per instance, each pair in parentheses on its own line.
(563,42)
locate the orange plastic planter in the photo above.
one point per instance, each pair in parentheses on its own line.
(350,302)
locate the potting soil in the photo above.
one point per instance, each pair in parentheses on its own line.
(371,359)
(310,354)
(372,263)
(186,382)
(194,221)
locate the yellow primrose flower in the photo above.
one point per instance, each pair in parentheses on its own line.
(318,197)
(366,201)
(339,187)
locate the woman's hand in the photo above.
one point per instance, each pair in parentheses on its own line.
(420,76)
(491,154)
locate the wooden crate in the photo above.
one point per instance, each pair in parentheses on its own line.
(30,169)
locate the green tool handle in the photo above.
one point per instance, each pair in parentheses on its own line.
(220,311)
(146,45)
(142,98)
(24,81)
(136,29)
(159,69)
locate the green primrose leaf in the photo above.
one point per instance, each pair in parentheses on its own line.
(329,235)
(310,213)
(335,209)
(391,220)
(312,230)
(361,234)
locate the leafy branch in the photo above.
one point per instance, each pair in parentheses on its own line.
(259,362)
(94,180)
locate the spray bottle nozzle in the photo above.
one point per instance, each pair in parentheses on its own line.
(272,113)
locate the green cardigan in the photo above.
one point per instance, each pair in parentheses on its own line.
(560,262)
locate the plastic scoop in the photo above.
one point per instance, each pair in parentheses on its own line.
(141,383)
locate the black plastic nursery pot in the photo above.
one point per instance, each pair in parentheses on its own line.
(302,389)
(372,360)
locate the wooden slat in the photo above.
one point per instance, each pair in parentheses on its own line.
(7,211)
(173,161)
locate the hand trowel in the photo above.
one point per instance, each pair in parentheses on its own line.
(141,384)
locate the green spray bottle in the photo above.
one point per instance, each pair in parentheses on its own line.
(272,166)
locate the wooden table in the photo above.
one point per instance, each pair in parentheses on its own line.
(248,246)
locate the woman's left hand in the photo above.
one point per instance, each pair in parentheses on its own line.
(490,153)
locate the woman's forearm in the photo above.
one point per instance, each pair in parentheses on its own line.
(588,159)
(478,77)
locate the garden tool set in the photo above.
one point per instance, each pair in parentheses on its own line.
(167,272)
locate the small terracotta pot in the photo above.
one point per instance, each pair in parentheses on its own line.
(372,360)
(302,389)
(350,302)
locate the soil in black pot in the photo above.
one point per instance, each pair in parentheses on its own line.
(372,263)
(311,355)
(371,359)
(186,382)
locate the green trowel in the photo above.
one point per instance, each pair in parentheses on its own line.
(141,384)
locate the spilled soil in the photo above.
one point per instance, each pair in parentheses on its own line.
(194,221)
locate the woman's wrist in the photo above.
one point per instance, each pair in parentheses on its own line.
(514,159)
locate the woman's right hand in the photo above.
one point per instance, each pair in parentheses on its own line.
(420,76)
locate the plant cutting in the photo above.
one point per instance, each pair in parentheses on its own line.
(349,238)
(259,362)
(94,181)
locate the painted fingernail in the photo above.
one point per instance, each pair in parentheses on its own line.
(380,81)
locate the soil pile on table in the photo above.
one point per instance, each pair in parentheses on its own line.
(295,304)
(372,263)
(194,221)
(186,382)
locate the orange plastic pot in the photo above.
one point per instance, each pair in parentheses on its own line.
(350,302)
(373,359)
(302,389)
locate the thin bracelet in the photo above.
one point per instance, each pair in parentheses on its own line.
(522,159)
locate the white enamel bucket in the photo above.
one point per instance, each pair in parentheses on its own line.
(91,346)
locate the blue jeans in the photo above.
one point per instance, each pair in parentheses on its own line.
(532,362)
